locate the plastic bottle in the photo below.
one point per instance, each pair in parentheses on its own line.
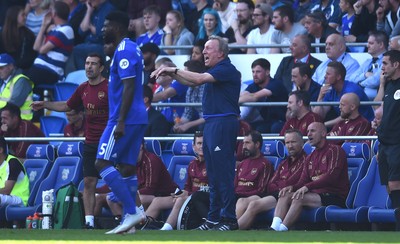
(35,221)
(177,119)
(28,222)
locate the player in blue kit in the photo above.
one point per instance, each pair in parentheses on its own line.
(220,111)
(122,137)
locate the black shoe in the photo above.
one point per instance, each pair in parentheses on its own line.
(152,224)
(227,225)
(207,225)
(88,226)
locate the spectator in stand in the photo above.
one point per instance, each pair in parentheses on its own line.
(262,34)
(192,117)
(135,12)
(352,123)
(150,53)
(169,91)
(300,49)
(54,47)
(334,88)
(347,8)
(318,29)
(301,78)
(394,43)
(335,48)
(287,173)
(158,124)
(76,123)
(301,8)
(265,89)
(364,20)
(16,39)
(388,23)
(192,20)
(322,183)
(283,20)
(209,24)
(253,173)
(226,12)
(196,181)
(5,5)
(151,20)
(91,95)
(12,125)
(367,76)
(77,11)
(197,51)
(299,112)
(35,11)
(242,25)
(331,11)
(16,88)
(14,179)
(90,30)
(176,34)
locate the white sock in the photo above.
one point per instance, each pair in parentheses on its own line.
(276,222)
(89,219)
(167,226)
(283,227)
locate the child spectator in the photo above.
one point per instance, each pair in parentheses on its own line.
(151,20)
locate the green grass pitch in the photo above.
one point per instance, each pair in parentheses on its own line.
(188,237)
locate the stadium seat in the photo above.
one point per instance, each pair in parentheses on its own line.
(64,171)
(357,159)
(274,151)
(40,151)
(70,148)
(153,146)
(308,148)
(64,90)
(52,124)
(77,77)
(375,147)
(183,154)
(382,212)
(369,193)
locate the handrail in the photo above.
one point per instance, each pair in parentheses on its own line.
(260,104)
(179,137)
(232,46)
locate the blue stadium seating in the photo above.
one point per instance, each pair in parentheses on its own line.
(308,148)
(64,171)
(64,90)
(153,146)
(274,151)
(369,193)
(77,77)
(183,154)
(52,124)
(40,151)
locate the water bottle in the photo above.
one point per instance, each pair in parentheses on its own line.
(35,221)
(47,209)
(28,222)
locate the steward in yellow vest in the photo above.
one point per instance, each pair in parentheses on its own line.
(14,182)
(15,88)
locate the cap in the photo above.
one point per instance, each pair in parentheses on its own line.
(266,9)
(150,47)
(6,59)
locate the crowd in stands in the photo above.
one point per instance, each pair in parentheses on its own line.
(43,41)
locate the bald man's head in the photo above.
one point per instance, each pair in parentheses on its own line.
(335,46)
(349,104)
(316,133)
